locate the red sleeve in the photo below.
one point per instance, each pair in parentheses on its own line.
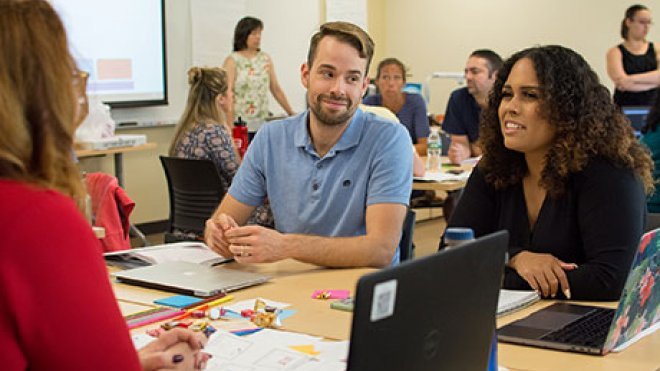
(58,309)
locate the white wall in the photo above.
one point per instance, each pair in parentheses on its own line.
(438,35)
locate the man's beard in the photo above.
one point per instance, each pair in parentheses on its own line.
(332,119)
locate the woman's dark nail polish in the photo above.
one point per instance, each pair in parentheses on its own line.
(177,358)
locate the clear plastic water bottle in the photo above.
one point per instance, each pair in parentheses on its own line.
(434,151)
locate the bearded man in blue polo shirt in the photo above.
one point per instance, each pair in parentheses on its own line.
(338,179)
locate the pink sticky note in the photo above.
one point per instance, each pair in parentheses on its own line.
(331,294)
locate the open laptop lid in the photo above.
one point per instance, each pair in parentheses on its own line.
(636,115)
(639,305)
(190,278)
(436,312)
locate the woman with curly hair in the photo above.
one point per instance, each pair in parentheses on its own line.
(563,173)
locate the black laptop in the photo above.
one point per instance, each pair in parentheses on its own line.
(596,330)
(637,116)
(432,313)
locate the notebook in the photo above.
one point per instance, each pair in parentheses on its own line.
(192,252)
(431,313)
(514,300)
(190,278)
(596,330)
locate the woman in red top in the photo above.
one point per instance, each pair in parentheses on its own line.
(57,309)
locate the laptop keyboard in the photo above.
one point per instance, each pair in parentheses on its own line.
(590,330)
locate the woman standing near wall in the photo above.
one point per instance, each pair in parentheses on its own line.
(251,75)
(633,64)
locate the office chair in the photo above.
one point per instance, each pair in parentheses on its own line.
(406,244)
(196,189)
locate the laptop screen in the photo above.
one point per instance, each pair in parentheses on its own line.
(431,313)
(637,116)
(639,306)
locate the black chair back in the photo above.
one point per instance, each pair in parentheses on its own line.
(195,189)
(406,243)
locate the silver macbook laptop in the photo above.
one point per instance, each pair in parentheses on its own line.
(596,330)
(190,278)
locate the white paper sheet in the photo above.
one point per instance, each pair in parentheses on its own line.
(268,350)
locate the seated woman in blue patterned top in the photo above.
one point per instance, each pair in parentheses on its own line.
(202,132)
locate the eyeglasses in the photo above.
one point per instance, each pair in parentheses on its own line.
(79,78)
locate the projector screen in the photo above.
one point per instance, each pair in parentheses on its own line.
(121,43)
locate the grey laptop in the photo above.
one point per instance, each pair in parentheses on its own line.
(190,278)
(596,330)
(432,313)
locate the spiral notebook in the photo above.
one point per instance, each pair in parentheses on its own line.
(513,300)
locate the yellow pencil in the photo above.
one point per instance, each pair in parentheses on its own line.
(223,299)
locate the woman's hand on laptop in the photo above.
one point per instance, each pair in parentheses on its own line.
(214,234)
(256,244)
(544,272)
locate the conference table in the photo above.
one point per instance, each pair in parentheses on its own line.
(294,282)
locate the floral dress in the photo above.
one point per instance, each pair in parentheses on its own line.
(251,87)
(212,141)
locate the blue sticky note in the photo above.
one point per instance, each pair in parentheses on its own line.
(286,313)
(178,301)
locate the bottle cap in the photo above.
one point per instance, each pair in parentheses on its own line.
(459,234)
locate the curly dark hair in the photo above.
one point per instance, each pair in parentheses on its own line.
(588,124)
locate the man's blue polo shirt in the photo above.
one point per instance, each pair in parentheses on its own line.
(462,115)
(370,164)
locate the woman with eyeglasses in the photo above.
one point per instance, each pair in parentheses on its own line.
(57,308)
(633,64)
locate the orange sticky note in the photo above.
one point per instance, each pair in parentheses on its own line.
(307,349)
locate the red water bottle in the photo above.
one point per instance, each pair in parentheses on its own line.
(240,136)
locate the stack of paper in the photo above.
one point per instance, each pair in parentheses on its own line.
(511,301)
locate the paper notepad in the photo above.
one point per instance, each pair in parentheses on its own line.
(191,252)
(513,300)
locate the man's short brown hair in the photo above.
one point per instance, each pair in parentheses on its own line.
(347,33)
